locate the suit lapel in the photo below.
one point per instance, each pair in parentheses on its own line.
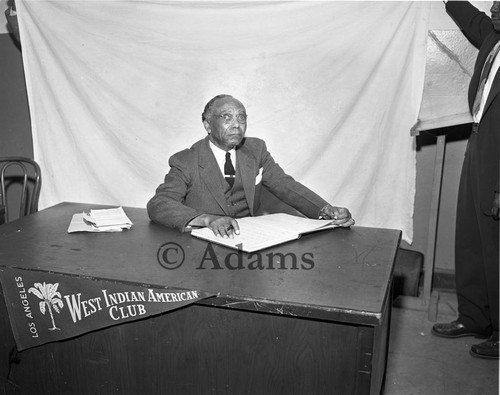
(211,175)
(476,76)
(247,170)
(481,58)
(494,91)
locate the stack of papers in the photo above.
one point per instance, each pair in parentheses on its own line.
(105,220)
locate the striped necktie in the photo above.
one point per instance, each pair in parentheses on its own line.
(484,77)
(229,172)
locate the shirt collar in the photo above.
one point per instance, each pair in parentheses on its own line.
(220,155)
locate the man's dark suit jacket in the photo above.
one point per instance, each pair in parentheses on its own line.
(195,185)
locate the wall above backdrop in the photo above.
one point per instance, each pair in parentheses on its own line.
(3,24)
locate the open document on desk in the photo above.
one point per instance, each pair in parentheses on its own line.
(257,233)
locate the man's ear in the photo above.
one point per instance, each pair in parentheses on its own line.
(207,126)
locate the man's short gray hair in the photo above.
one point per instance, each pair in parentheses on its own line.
(208,108)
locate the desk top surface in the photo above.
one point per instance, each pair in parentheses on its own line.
(340,274)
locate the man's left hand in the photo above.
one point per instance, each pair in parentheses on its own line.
(339,215)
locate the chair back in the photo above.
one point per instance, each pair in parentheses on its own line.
(27,173)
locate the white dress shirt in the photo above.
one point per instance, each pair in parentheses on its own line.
(220,156)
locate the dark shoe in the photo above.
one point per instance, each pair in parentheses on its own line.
(488,349)
(455,329)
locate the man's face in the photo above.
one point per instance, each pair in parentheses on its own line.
(495,15)
(226,125)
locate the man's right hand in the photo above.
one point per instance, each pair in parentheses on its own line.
(225,227)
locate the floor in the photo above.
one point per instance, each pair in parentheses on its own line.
(420,363)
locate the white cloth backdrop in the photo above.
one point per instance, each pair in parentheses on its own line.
(116,87)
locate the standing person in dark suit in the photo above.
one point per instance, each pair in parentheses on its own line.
(477,234)
(220,178)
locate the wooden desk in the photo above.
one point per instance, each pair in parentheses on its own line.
(323,330)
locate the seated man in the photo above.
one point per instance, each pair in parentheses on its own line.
(220,178)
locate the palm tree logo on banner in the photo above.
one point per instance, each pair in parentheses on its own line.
(51,299)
